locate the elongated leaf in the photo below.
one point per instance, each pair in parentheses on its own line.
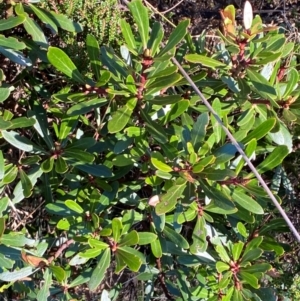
(128,36)
(204,60)
(44,291)
(199,131)
(146,238)
(130,239)
(16,275)
(100,270)
(26,183)
(156,37)
(11,22)
(93,51)
(44,18)
(168,201)
(156,248)
(132,261)
(260,131)
(20,142)
(176,36)
(16,56)
(273,160)
(74,206)
(250,279)
(11,42)
(95,170)
(64,64)
(162,83)
(35,31)
(158,161)
(121,117)
(79,155)
(65,23)
(4,93)
(140,14)
(176,238)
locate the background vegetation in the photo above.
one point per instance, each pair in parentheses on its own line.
(117,182)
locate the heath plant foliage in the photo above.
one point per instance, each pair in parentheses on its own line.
(126,171)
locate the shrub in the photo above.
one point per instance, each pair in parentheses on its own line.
(132,173)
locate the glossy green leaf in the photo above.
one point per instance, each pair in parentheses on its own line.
(162,83)
(217,174)
(175,237)
(79,155)
(44,18)
(21,122)
(262,86)
(158,161)
(93,51)
(283,137)
(223,253)
(177,110)
(74,206)
(65,23)
(146,238)
(156,37)
(250,279)
(121,117)
(63,63)
(16,274)
(203,60)
(176,37)
(156,248)
(257,268)
(237,249)
(199,236)
(165,99)
(242,229)
(222,266)
(11,22)
(132,261)
(131,239)
(61,165)
(58,272)
(47,165)
(98,244)
(86,106)
(116,229)
(26,183)
(4,93)
(251,255)
(272,160)
(140,14)
(90,253)
(168,200)
(128,36)
(35,31)
(260,131)
(99,272)
(95,170)
(20,142)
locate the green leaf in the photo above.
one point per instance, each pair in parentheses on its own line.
(79,155)
(257,268)
(242,229)
(162,83)
(273,160)
(100,271)
(237,250)
(222,266)
(63,63)
(116,229)
(21,122)
(90,253)
(165,99)
(203,60)
(11,22)
(11,42)
(74,206)
(146,238)
(35,31)
(61,165)
(158,161)
(93,51)
(262,86)
(130,239)
(44,291)
(283,137)
(86,106)
(199,236)
(175,37)
(223,253)
(121,117)
(260,131)
(4,93)
(251,255)
(65,23)
(250,279)
(140,15)
(154,129)
(156,248)
(95,170)
(21,142)
(2,170)
(128,36)
(44,18)
(177,110)
(168,200)
(156,37)
(175,237)
(132,261)
(245,201)
(26,183)
(98,244)
(58,272)
(16,274)
(47,165)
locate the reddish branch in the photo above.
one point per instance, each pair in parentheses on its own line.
(60,250)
